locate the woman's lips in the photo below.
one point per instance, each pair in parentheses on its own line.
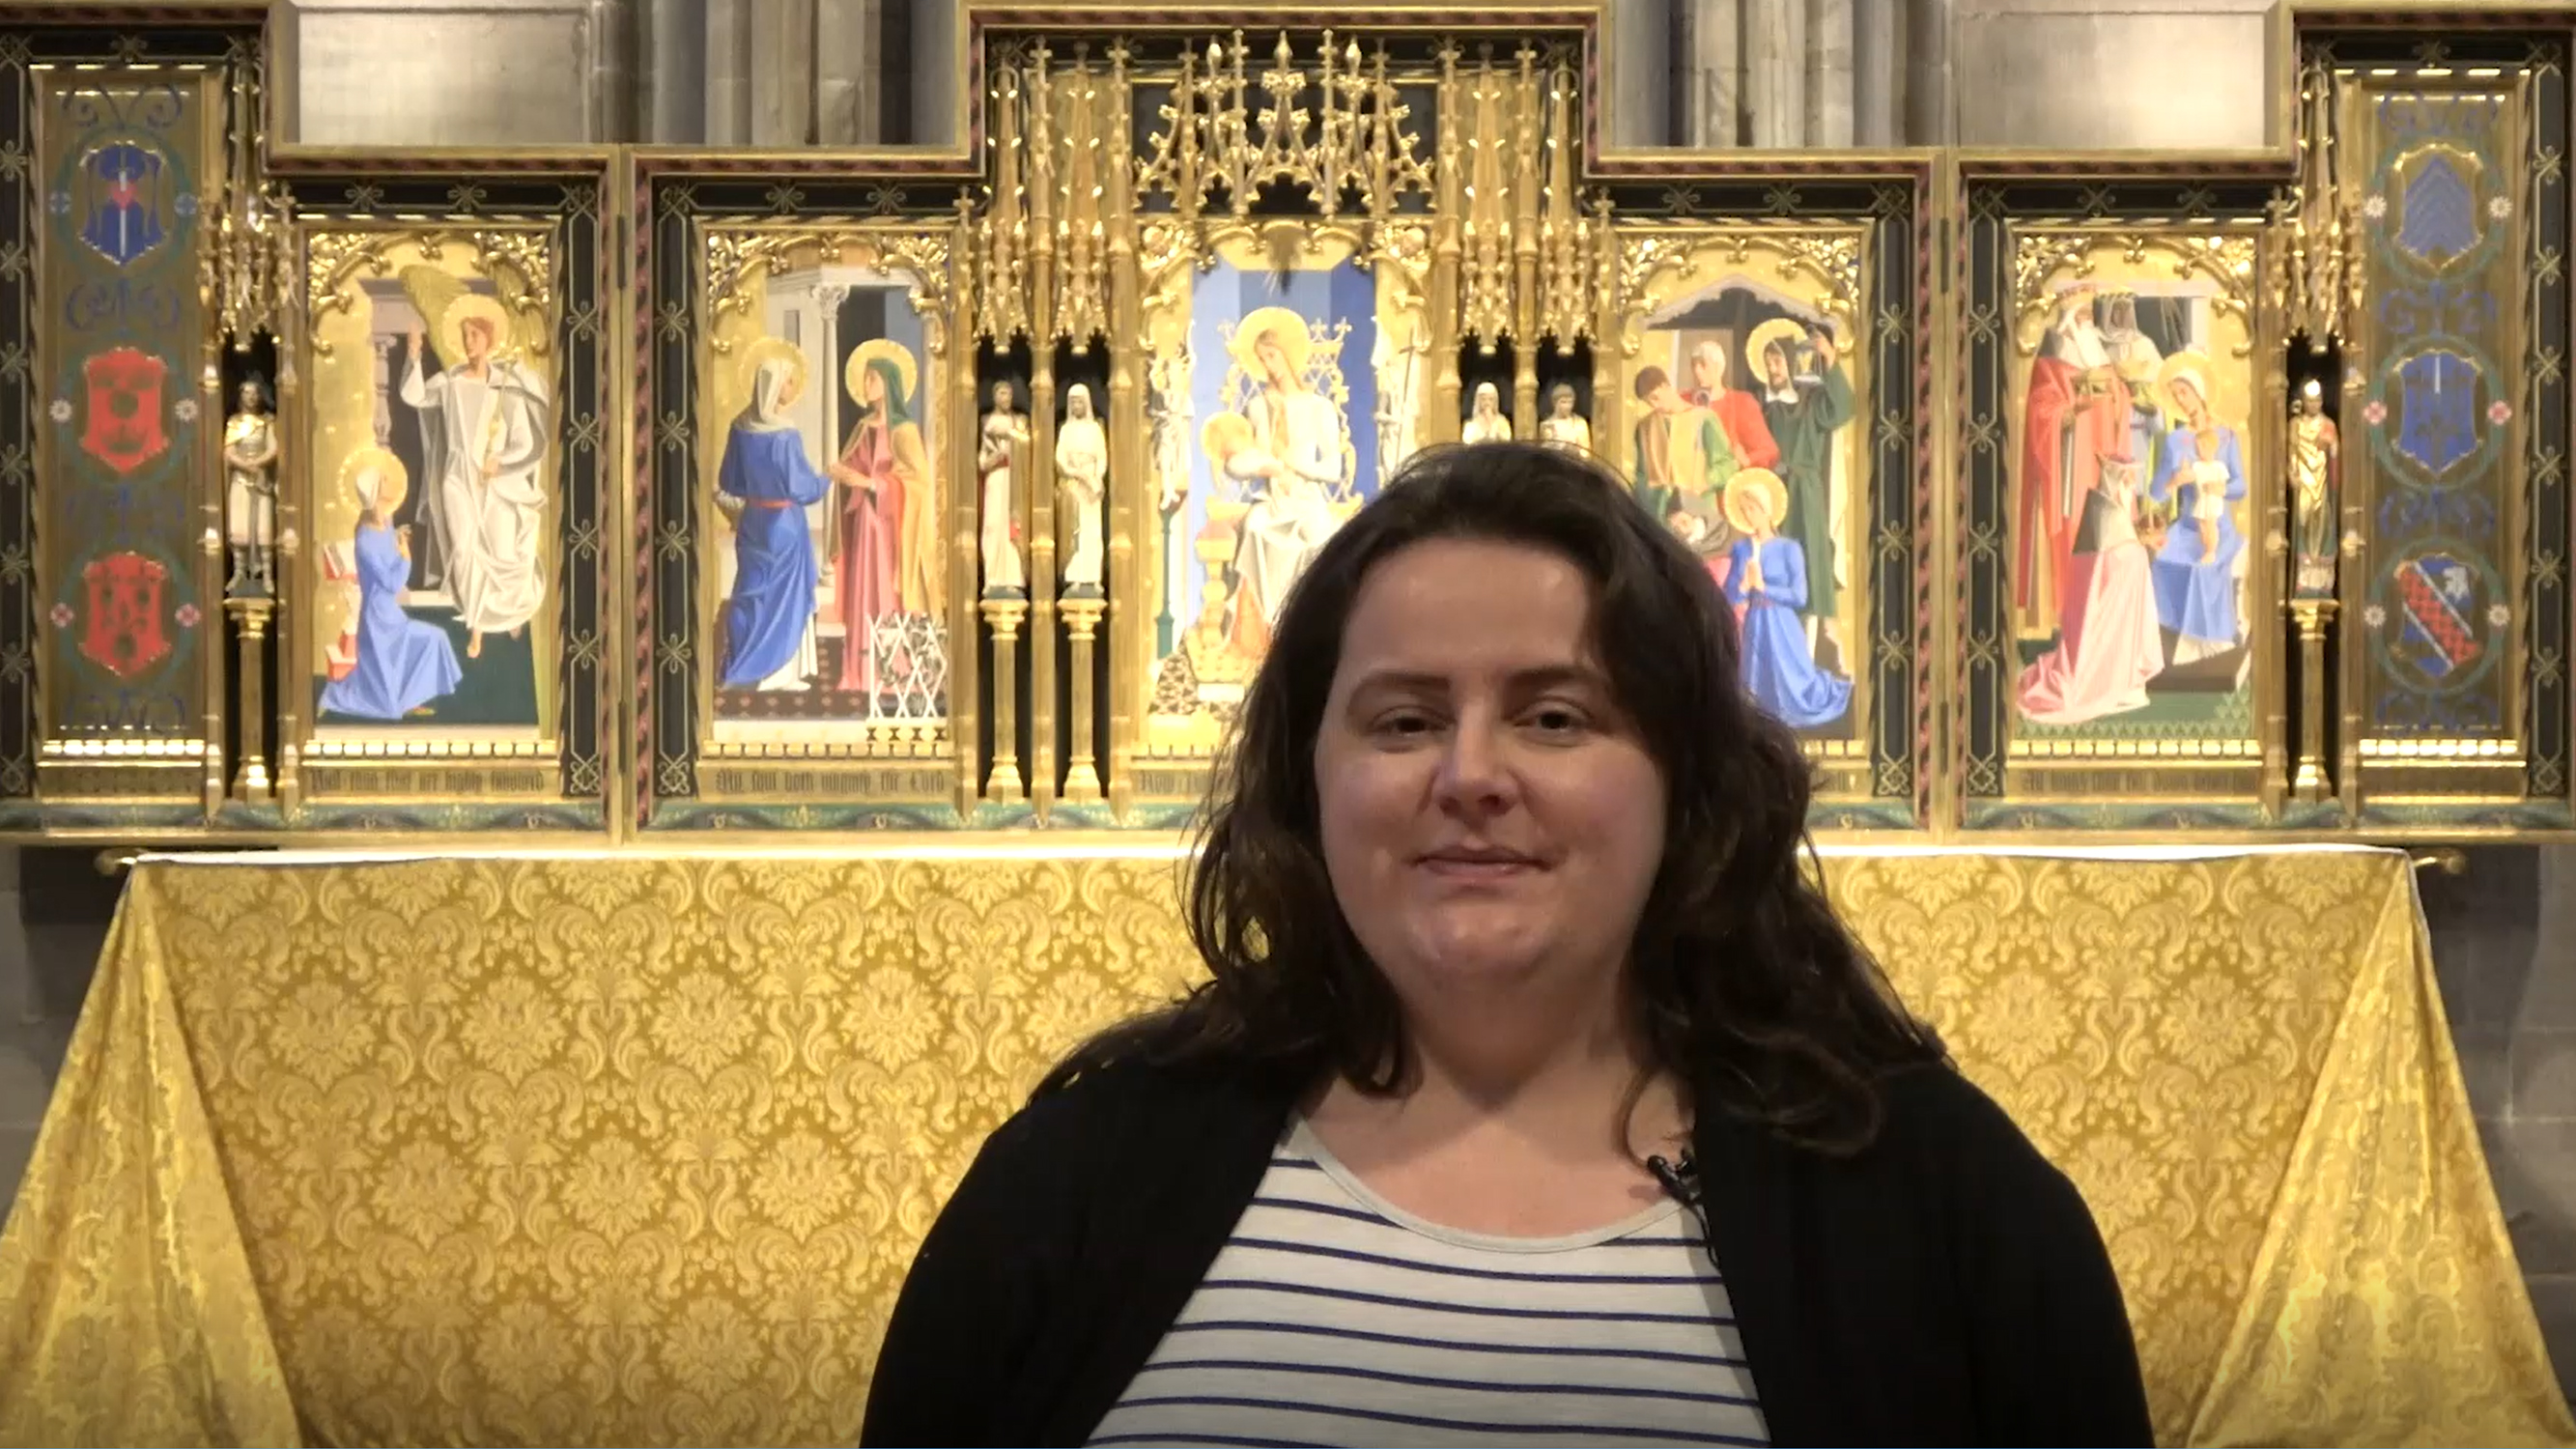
(1477,864)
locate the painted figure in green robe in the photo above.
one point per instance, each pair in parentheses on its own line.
(1803,413)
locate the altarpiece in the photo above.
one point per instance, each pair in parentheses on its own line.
(593,495)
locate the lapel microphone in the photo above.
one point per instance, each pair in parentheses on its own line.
(1680,1181)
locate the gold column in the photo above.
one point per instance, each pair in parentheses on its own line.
(1130,505)
(2354,547)
(214,664)
(1081,622)
(1609,341)
(251,783)
(1036,483)
(2311,785)
(284,563)
(964,560)
(1003,616)
(1444,256)
(1525,291)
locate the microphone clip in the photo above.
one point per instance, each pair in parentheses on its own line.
(1680,1181)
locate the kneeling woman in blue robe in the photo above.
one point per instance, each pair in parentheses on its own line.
(1767,583)
(764,485)
(403,662)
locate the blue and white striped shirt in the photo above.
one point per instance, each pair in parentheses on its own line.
(1332,1317)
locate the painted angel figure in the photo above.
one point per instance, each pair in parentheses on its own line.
(1082,475)
(485,441)
(1167,408)
(1399,381)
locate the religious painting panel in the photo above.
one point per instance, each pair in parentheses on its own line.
(826,564)
(813,662)
(1761,382)
(443,413)
(2121,621)
(2454,600)
(123,157)
(2131,432)
(1288,369)
(1745,362)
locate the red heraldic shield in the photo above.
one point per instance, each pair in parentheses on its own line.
(125,408)
(124,633)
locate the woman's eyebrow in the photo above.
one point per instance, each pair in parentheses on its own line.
(1432,681)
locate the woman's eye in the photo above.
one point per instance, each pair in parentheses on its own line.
(1557,719)
(1403,725)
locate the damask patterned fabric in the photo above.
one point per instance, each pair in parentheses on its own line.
(629,1149)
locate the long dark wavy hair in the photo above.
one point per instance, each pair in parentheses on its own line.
(1749,991)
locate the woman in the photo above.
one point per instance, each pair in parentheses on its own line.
(403,662)
(888,533)
(764,485)
(1767,583)
(1512,954)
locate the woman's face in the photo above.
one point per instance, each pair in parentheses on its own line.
(871,387)
(2186,397)
(789,389)
(1488,816)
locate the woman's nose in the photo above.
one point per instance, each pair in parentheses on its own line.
(1475,772)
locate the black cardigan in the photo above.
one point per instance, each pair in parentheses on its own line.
(1944,1286)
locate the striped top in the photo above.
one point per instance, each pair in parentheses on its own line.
(1332,1317)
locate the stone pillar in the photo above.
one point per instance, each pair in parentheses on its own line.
(849,66)
(1929,117)
(938,65)
(728,72)
(1639,108)
(1829,119)
(1775,73)
(1877,78)
(20,1000)
(613,80)
(783,68)
(673,73)
(1709,68)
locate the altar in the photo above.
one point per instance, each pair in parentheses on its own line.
(712,644)
(628,1148)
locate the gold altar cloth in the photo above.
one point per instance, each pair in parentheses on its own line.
(632,1149)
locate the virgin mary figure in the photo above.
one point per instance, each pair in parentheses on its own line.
(764,485)
(2200,472)
(890,563)
(403,662)
(1768,584)
(1294,461)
